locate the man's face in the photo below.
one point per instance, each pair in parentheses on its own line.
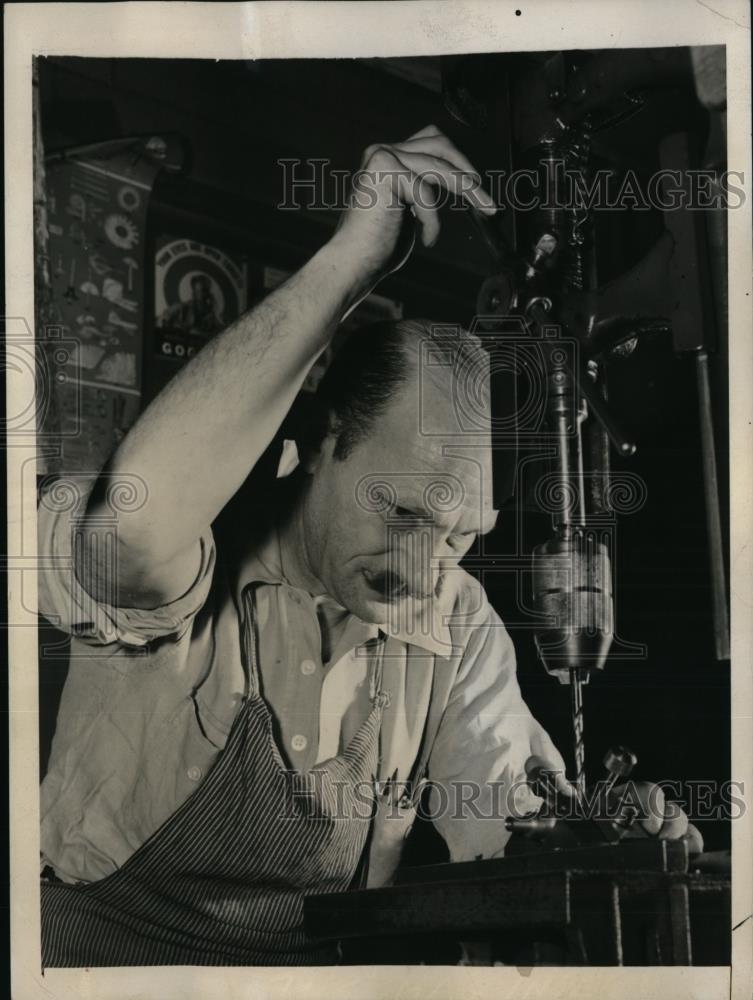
(385,526)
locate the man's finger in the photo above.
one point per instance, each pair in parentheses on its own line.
(417,192)
(541,770)
(384,169)
(543,748)
(440,146)
(644,800)
(694,839)
(426,130)
(439,170)
(675,823)
(436,157)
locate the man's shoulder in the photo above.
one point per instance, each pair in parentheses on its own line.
(475,624)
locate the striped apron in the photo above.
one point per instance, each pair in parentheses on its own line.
(222,881)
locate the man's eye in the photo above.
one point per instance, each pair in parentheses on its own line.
(404,512)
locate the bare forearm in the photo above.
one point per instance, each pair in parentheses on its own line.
(198,440)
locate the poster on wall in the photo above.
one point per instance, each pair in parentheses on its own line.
(96,216)
(96,222)
(199,289)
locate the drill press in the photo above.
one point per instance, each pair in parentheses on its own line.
(572,578)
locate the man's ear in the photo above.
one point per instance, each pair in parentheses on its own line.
(315,455)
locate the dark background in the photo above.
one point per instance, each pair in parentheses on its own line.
(672,708)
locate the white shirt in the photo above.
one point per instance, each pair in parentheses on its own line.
(151,695)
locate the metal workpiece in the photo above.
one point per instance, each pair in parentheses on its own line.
(579,819)
(531,826)
(619,762)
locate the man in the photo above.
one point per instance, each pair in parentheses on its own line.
(242,727)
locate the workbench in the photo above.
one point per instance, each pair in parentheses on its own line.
(642,902)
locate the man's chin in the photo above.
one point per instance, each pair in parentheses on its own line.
(373,611)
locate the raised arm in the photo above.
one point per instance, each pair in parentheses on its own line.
(198,440)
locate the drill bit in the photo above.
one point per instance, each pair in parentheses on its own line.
(579,749)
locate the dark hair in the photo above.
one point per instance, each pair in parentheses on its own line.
(367,371)
(364,375)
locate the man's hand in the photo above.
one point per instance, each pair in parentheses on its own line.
(224,407)
(642,802)
(414,175)
(654,815)
(239,388)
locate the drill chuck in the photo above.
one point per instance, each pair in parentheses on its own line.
(572,588)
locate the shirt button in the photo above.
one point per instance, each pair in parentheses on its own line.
(299,742)
(308,667)
(194,773)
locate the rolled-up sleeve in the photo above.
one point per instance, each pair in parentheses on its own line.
(477,765)
(69,607)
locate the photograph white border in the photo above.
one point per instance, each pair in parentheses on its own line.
(361,29)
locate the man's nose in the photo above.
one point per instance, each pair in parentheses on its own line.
(419,565)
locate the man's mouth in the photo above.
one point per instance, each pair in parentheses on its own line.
(391,586)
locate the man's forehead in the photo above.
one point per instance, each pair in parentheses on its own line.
(449,460)
(452,482)
(443,399)
(427,424)
(422,447)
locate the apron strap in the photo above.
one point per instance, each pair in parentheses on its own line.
(376,671)
(250,645)
(437,703)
